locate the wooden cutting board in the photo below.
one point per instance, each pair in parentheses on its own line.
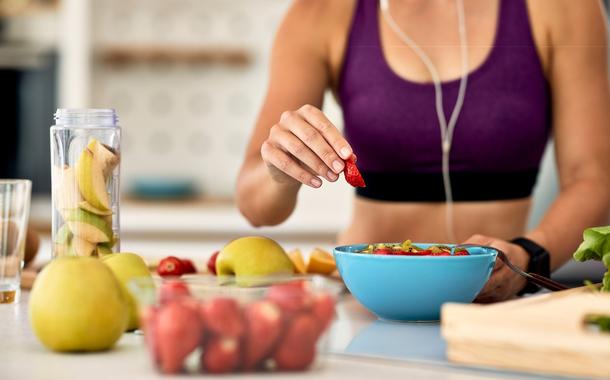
(543,334)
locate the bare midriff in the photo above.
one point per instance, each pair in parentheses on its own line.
(375,221)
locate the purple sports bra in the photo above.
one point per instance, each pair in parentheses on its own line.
(392,125)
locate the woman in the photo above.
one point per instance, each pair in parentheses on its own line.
(536,68)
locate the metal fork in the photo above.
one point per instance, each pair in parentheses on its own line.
(537,279)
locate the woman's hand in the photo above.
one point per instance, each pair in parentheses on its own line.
(303,146)
(504,283)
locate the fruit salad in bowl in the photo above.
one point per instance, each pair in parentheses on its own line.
(212,325)
(411,281)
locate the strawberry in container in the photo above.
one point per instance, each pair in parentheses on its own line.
(197,325)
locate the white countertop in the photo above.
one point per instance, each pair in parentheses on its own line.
(360,348)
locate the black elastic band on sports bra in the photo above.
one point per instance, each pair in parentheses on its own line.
(466,186)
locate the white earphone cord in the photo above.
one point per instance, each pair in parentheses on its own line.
(446,128)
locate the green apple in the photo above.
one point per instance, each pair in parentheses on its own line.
(92,181)
(127,267)
(88,226)
(253,256)
(76,304)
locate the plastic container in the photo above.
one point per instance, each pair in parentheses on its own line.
(207,324)
(85,162)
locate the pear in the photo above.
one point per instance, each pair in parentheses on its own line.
(91,181)
(77,305)
(107,156)
(88,226)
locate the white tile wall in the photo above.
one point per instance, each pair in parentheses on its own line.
(185,120)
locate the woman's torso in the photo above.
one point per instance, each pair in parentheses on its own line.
(487,23)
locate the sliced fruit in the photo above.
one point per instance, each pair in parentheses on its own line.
(82,247)
(263,328)
(87,207)
(66,195)
(188,267)
(297,348)
(220,355)
(178,331)
(88,226)
(321,262)
(105,155)
(297,260)
(103,250)
(92,181)
(223,317)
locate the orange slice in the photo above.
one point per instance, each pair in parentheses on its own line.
(321,262)
(297,260)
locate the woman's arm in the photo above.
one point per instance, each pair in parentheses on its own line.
(578,75)
(581,121)
(292,143)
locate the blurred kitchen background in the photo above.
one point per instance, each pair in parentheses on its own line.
(187,78)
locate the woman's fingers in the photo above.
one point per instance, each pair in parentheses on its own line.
(331,134)
(287,141)
(272,155)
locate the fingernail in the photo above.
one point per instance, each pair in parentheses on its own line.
(316,182)
(338,166)
(331,176)
(346,153)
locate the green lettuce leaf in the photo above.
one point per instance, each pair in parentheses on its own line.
(595,245)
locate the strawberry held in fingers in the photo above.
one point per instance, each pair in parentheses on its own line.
(352,174)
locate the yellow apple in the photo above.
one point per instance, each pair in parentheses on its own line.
(76,304)
(126,267)
(253,256)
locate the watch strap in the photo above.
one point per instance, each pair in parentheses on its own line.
(539,263)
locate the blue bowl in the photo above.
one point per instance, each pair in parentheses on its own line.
(413,288)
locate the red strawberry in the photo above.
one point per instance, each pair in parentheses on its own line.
(188,267)
(212,262)
(291,298)
(223,317)
(173,290)
(461,253)
(297,348)
(220,355)
(352,174)
(324,310)
(148,321)
(263,327)
(383,251)
(179,332)
(170,266)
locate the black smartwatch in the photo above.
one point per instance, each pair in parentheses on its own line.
(540,261)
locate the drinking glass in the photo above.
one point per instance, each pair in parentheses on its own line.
(14,214)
